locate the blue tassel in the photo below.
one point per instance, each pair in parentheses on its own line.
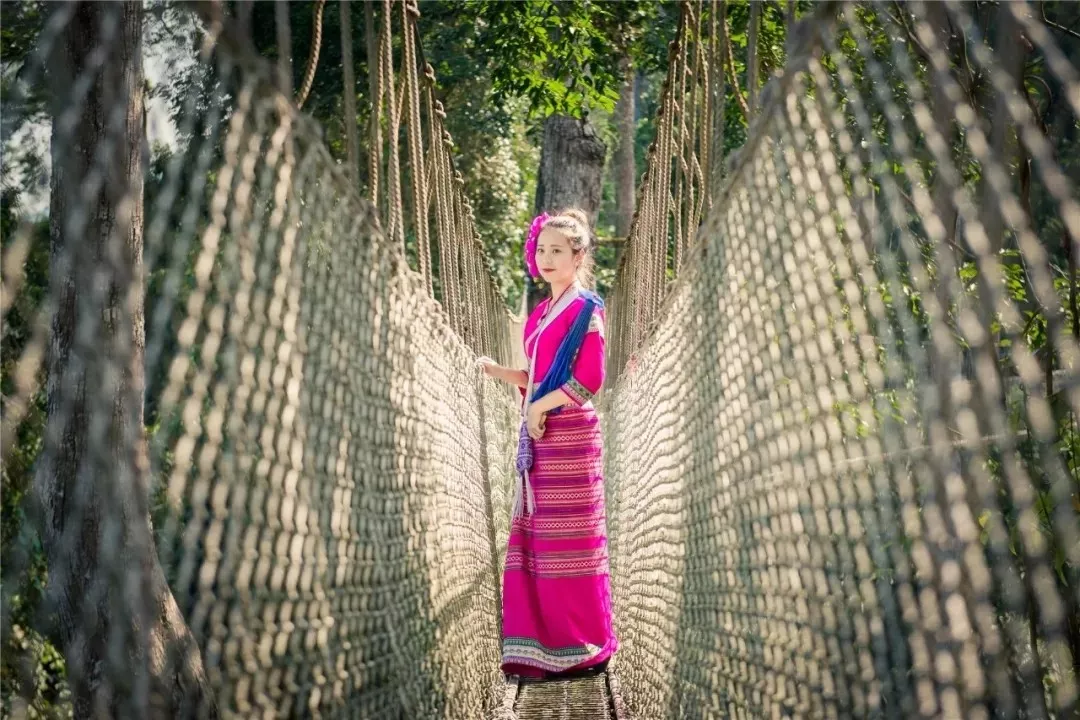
(524,460)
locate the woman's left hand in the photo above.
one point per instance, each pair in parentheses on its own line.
(535,421)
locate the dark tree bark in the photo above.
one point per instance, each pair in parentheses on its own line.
(571,173)
(129,653)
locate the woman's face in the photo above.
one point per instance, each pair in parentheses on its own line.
(555,258)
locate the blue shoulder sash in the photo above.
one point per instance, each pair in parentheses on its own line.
(563,364)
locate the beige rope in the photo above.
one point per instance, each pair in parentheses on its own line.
(410,13)
(718,47)
(313,58)
(375,88)
(678,105)
(675,186)
(396,225)
(732,75)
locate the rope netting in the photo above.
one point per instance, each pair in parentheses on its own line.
(844,459)
(674,190)
(841,429)
(321,459)
(460,274)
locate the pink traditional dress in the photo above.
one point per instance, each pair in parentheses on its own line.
(556,587)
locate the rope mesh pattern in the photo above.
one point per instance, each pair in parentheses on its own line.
(834,490)
(327,462)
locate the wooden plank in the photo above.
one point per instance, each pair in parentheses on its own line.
(578,699)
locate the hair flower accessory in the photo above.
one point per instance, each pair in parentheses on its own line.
(530,243)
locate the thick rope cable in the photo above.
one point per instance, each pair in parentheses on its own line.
(410,13)
(394,97)
(375,90)
(313,58)
(679,150)
(732,75)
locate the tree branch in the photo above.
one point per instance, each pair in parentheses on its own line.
(901,20)
(1060,28)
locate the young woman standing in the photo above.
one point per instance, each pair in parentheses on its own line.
(556,588)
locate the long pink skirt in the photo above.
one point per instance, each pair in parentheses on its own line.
(556,588)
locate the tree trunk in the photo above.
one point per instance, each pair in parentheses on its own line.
(127,649)
(625,169)
(571,173)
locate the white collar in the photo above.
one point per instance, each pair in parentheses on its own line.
(555,311)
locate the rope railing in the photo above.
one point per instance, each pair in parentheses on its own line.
(674,190)
(284,498)
(842,467)
(462,274)
(261,476)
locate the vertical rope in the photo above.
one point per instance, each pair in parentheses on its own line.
(461,255)
(664,203)
(313,58)
(703,125)
(396,224)
(449,276)
(410,13)
(435,176)
(375,83)
(439,190)
(680,216)
(430,162)
(699,140)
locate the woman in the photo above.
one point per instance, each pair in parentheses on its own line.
(556,590)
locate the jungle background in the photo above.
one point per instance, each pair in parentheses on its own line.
(514,77)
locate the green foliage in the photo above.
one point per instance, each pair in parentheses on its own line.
(20,23)
(29,663)
(500,66)
(555,54)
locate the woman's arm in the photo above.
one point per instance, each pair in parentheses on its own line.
(538,410)
(518,378)
(587,375)
(554,399)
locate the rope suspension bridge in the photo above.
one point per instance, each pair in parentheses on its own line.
(842,470)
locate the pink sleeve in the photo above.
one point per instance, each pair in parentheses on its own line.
(588,373)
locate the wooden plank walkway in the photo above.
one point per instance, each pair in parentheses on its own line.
(591,698)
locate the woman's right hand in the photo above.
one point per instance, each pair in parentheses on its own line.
(489,366)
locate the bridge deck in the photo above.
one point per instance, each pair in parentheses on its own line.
(592,698)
